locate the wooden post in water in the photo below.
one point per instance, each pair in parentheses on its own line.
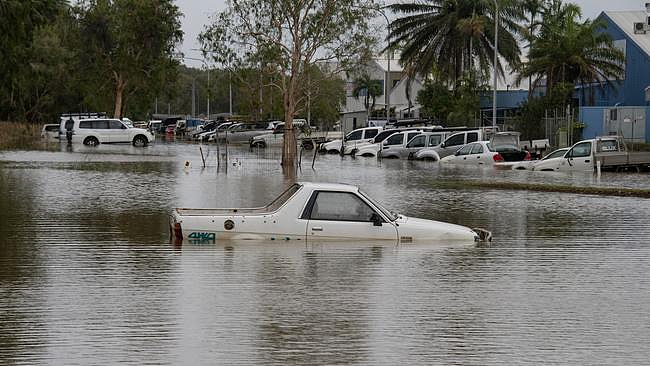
(202,157)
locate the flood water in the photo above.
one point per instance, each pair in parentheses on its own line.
(88,274)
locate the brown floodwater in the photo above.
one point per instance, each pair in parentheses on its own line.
(88,274)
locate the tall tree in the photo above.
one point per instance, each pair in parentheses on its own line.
(568,50)
(370,89)
(20,19)
(452,37)
(129,45)
(290,36)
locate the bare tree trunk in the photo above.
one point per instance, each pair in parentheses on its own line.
(120,84)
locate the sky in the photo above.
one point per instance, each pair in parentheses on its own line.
(198,13)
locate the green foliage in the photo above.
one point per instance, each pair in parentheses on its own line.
(458,107)
(369,88)
(530,121)
(287,38)
(436,100)
(452,37)
(568,50)
(127,48)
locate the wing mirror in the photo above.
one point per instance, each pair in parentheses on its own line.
(376,219)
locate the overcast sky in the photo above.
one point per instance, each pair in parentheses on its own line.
(198,12)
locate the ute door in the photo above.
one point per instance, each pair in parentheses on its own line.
(416,144)
(345,216)
(392,143)
(578,158)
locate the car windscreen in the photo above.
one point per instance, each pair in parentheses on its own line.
(392,216)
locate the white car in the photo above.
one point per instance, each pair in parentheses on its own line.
(476,154)
(93,132)
(530,164)
(50,132)
(353,140)
(390,146)
(314,212)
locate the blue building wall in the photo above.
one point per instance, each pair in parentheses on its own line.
(593,118)
(629,92)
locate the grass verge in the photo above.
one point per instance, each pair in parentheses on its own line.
(19,134)
(514,186)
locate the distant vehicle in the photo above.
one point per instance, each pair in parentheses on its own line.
(422,141)
(609,152)
(50,131)
(530,164)
(390,147)
(478,153)
(170,129)
(154,125)
(93,132)
(315,212)
(353,140)
(243,132)
(305,136)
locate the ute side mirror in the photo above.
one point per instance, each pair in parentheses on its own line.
(376,219)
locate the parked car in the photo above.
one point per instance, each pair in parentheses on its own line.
(93,132)
(507,144)
(352,140)
(305,136)
(530,164)
(422,141)
(390,146)
(50,131)
(478,153)
(315,212)
(610,152)
(455,141)
(242,132)
(170,130)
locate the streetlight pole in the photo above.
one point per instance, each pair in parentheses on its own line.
(207,68)
(387,78)
(496,42)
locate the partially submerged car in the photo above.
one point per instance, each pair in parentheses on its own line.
(351,141)
(530,164)
(315,211)
(478,153)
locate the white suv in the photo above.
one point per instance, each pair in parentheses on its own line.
(92,132)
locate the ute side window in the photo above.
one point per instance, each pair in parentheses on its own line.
(581,150)
(472,137)
(455,140)
(340,206)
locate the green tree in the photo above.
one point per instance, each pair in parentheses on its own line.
(568,50)
(290,36)
(453,37)
(127,48)
(20,20)
(370,89)
(436,100)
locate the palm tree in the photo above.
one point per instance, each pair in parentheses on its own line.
(454,37)
(568,50)
(372,88)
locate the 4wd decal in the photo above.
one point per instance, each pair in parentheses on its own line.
(202,236)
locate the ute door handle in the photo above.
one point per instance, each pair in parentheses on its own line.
(317,228)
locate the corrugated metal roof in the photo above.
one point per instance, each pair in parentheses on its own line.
(625,21)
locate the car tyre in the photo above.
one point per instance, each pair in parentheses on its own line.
(91,141)
(140,141)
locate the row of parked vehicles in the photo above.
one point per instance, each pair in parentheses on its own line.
(488,147)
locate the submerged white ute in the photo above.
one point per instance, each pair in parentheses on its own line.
(315,211)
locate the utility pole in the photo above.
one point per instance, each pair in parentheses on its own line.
(496,42)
